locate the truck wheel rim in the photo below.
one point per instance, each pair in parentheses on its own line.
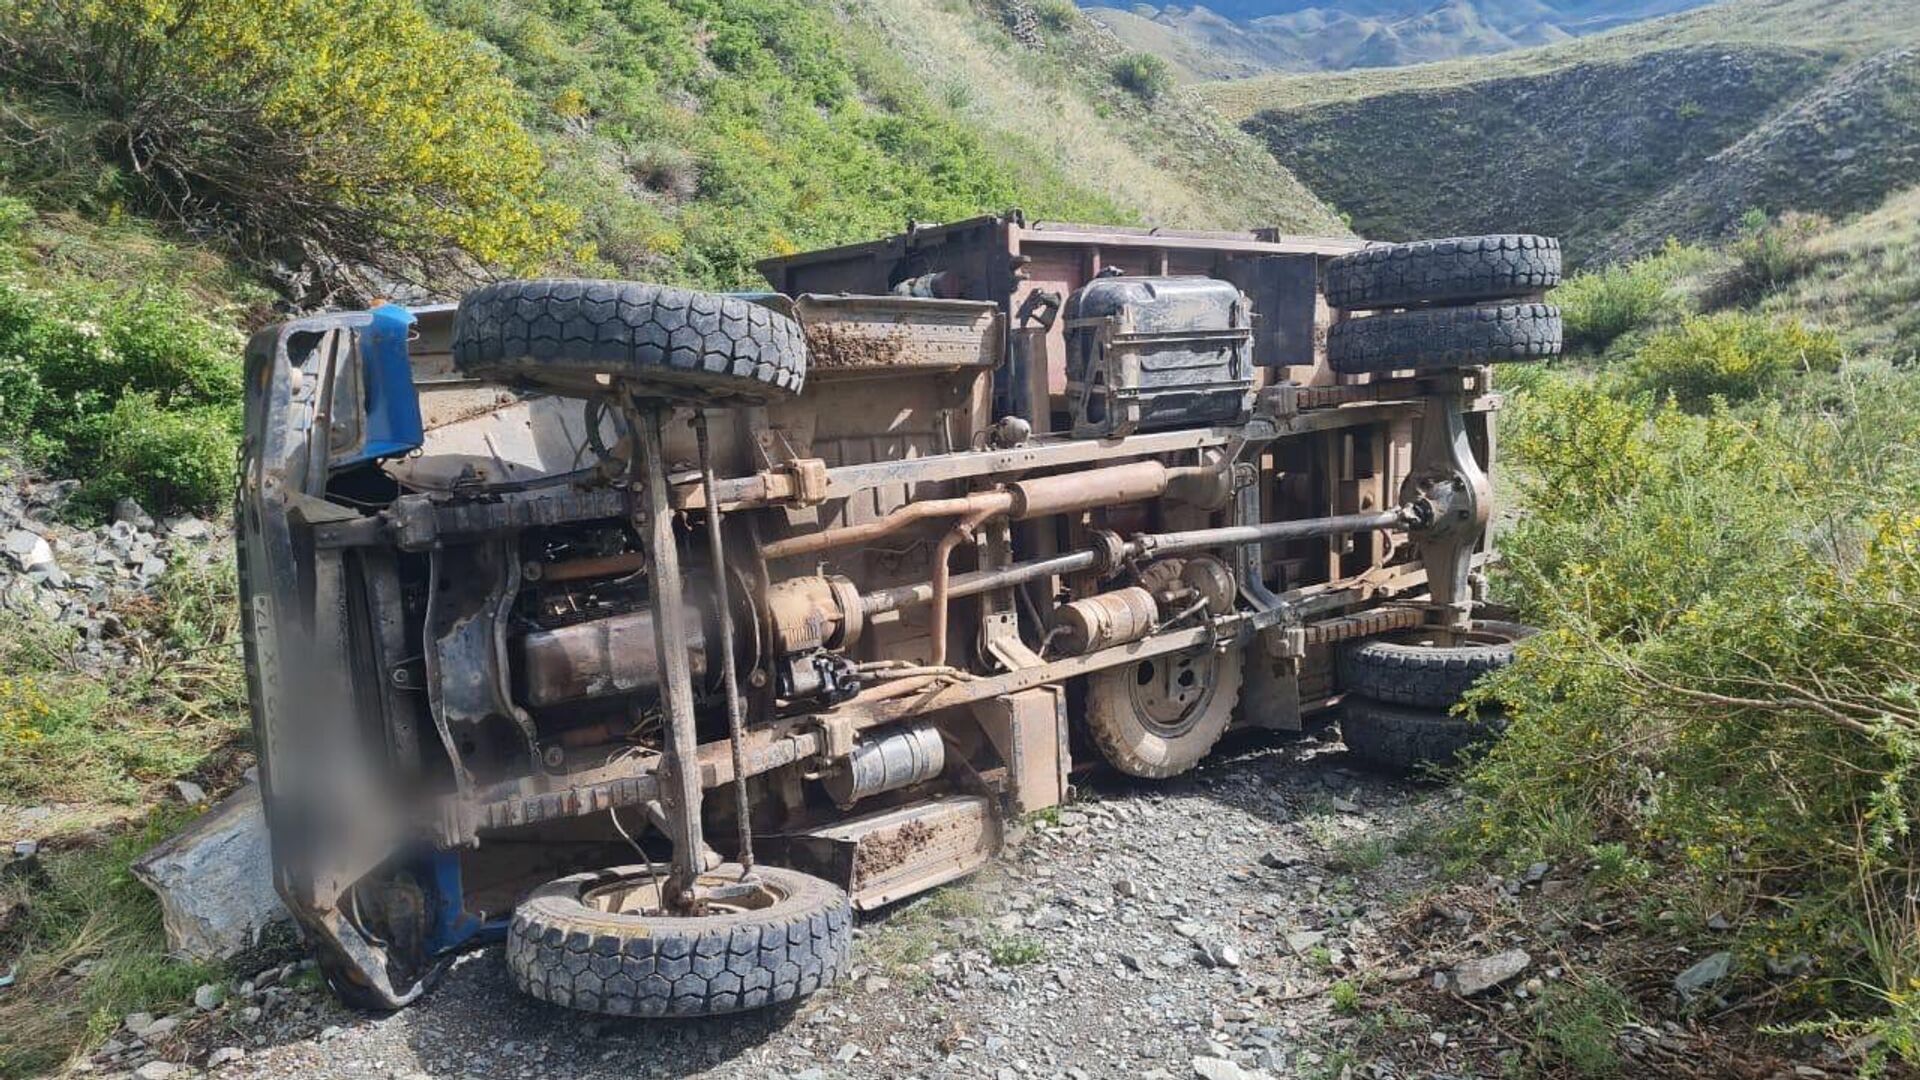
(641,896)
(1170,693)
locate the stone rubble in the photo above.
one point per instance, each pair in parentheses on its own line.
(72,574)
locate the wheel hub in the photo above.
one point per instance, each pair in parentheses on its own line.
(1170,692)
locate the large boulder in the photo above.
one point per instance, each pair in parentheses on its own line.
(215,880)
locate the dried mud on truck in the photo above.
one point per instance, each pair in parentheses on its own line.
(657,632)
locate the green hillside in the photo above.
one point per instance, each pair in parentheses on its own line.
(1570,153)
(1197,47)
(666,139)
(1862,280)
(1673,127)
(697,136)
(322,154)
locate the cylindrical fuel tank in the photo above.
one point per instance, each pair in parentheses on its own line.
(898,759)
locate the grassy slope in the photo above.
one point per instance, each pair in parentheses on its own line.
(1192,60)
(1622,126)
(1168,160)
(1836,151)
(698,137)
(1863,280)
(1544,154)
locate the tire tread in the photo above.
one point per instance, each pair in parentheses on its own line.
(1441,338)
(565,332)
(1456,270)
(562,952)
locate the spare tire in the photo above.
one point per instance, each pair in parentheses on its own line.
(1459,270)
(589,942)
(1434,338)
(572,337)
(1408,740)
(1427,667)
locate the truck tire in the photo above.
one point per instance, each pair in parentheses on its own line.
(1408,740)
(1435,338)
(570,943)
(1414,668)
(1159,717)
(1459,270)
(569,337)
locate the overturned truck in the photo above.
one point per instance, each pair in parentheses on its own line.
(657,631)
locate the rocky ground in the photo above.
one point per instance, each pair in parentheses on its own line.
(74,574)
(1279,913)
(1212,926)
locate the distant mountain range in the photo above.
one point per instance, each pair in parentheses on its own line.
(1237,38)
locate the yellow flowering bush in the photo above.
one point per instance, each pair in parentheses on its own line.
(355,130)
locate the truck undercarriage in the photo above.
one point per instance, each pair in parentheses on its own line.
(779,604)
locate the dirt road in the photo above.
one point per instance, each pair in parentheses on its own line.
(1188,928)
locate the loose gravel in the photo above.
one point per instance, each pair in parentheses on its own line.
(1151,931)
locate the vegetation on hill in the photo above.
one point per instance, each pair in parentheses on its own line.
(1862,279)
(1852,29)
(1218,41)
(1720,534)
(697,136)
(1039,79)
(1838,151)
(341,135)
(1668,128)
(1572,153)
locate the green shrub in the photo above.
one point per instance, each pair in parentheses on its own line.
(164,457)
(1602,306)
(135,391)
(1733,356)
(1345,998)
(1056,15)
(356,131)
(1143,75)
(1577,1026)
(1767,254)
(1723,691)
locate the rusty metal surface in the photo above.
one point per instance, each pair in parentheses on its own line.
(1068,493)
(888,335)
(896,441)
(813,612)
(1103,621)
(879,858)
(1363,624)
(1042,453)
(614,655)
(1028,731)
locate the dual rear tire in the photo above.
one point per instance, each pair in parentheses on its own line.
(1442,304)
(1400,690)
